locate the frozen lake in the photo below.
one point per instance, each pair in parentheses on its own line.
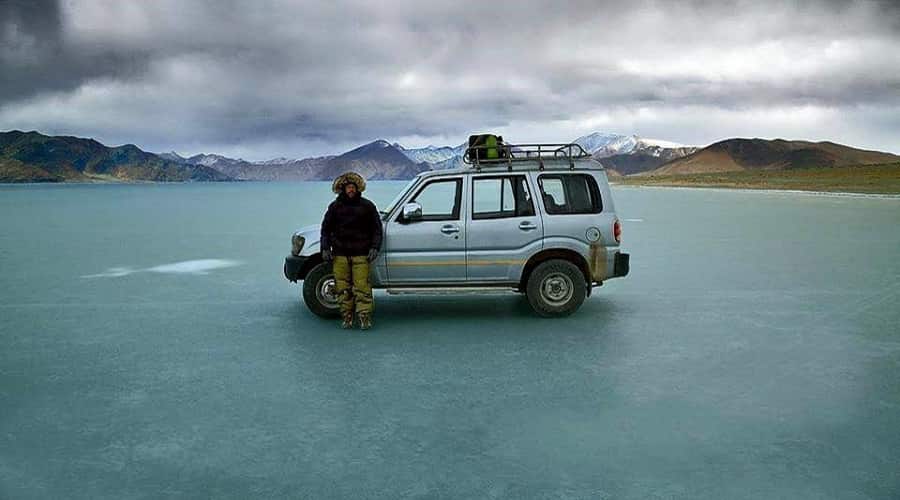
(150,347)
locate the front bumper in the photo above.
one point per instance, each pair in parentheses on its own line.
(293,265)
(621,265)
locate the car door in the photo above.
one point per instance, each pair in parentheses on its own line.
(430,249)
(503,228)
(574,217)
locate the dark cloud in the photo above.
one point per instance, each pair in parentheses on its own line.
(282,77)
(36,57)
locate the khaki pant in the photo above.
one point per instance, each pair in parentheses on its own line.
(351,280)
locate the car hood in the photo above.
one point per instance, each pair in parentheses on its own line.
(311,233)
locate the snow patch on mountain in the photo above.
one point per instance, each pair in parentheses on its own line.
(665,144)
(432,154)
(172,156)
(603,145)
(455,161)
(207,160)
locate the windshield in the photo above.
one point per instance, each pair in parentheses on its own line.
(396,200)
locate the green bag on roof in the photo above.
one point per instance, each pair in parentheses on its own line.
(485,147)
(491,143)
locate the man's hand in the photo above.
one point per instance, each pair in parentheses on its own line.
(373,254)
(326,255)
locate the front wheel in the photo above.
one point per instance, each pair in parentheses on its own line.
(556,288)
(319,291)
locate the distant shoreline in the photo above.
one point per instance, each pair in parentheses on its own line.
(881,181)
(800,192)
(135,182)
(613,182)
(864,180)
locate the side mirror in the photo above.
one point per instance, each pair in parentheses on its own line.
(412,211)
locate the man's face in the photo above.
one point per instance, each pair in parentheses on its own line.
(350,190)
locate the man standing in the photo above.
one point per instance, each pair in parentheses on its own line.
(351,237)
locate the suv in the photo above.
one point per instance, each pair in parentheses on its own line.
(536,219)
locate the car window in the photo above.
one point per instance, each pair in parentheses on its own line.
(496,197)
(570,194)
(552,188)
(507,198)
(399,197)
(440,199)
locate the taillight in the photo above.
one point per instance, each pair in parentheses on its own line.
(617,231)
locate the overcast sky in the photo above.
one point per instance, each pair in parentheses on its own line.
(259,79)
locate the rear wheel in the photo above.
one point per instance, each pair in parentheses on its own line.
(556,288)
(318,291)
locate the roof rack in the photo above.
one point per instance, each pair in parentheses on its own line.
(508,154)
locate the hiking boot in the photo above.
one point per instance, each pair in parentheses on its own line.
(365,321)
(347,321)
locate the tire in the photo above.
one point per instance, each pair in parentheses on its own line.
(315,291)
(556,288)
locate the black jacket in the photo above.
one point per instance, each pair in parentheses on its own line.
(352,226)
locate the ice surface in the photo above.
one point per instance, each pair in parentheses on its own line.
(752,352)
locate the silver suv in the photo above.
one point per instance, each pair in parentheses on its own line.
(536,219)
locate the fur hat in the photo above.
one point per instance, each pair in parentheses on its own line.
(348,178)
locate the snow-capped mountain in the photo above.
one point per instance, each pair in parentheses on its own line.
(602,145)
(211,160)
(629,152)
(381,159)
(172,156)
(432,154)
(664,144)
(662,149)
(455,161)
(215,161)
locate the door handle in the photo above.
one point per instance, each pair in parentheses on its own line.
(527,226)
(449,229)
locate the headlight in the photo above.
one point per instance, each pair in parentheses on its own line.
(297,242)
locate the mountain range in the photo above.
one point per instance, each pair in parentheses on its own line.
(630,154)
(381,159)
(434,155)
(34,157)
(377,160)
(734,155)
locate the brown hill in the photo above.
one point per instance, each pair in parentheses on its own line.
(377,160)
(735,155)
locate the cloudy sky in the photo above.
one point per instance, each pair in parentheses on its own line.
(259,79)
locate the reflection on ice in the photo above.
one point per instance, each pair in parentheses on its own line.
(201,266)
(113,272)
